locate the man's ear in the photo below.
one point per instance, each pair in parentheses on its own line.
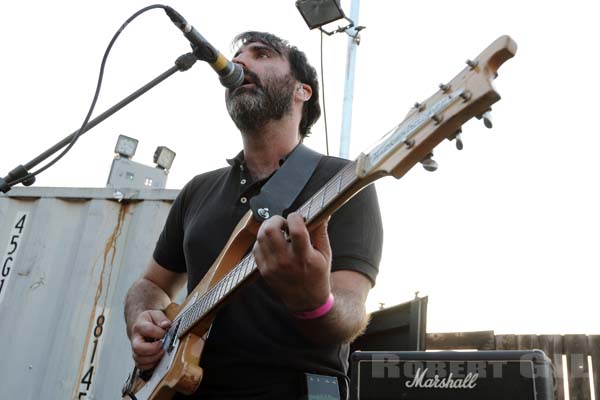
(304,92)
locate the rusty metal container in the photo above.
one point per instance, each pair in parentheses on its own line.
(68,257)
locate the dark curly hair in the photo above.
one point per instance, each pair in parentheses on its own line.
(301,71)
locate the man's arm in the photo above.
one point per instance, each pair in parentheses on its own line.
(146,323)
(348,317)
(297,267)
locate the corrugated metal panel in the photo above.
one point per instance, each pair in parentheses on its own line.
(69,256)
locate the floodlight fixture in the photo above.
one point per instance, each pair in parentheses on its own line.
(126,146)
(317,13)
(163,157)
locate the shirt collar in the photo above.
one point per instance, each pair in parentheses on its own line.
(239,158)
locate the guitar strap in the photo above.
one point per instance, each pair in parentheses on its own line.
(278,194)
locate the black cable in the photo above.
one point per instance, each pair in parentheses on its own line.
(96,95)
(323,96)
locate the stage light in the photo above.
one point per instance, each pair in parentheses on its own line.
(126,146)
(163,157)
(317,13)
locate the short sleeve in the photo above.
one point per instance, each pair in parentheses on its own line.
(169,247)
(356,235)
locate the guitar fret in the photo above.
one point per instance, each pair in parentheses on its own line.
(204,305)
(211,297)
(319,197)
(339,189)
(192,314)
(196,312)
(228,282)
(185,321)
(245,266)
(224,283)
(219,291)
(303,211)
(232,277)
(240,270)
(316,209)
(248,267)
(328,194)
(223,291)
(191,317)
(347,174)
(310,204)
(236,274)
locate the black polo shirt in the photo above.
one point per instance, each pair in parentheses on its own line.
(253,345)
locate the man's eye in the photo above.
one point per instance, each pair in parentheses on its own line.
(263,55)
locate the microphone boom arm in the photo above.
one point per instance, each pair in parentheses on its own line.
(21,174)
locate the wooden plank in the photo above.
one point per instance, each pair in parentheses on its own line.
(594,351)
(552,345)
(506,342)
(480,340)
(576,350)
(527,342)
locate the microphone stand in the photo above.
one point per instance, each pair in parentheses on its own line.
(183,63)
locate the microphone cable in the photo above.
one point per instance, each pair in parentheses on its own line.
(95,99)
(323,96)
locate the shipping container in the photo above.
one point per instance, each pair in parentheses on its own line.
(69,257)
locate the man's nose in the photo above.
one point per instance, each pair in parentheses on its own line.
(240,59)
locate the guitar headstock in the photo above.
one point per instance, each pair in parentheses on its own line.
(470,94)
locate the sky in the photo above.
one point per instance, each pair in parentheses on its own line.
(504,236)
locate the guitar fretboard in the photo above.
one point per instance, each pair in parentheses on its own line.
(239,274)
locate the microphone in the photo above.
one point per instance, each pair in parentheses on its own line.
(230,74)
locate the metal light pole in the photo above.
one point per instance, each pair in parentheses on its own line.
(353,42)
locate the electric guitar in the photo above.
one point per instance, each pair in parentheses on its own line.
(469,94)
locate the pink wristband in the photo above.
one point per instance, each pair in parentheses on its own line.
(317,312)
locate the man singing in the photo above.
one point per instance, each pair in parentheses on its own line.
(309,302)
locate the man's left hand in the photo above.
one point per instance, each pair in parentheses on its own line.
(295,262)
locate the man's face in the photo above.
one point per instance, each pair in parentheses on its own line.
(267,90)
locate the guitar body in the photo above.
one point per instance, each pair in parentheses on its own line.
(178,373)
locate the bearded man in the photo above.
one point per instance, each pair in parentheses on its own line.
(309,300)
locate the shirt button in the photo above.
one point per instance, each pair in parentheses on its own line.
(243,181)
(243,200)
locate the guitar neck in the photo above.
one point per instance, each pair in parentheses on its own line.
(320,206)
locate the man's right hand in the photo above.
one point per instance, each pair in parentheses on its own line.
(147,330)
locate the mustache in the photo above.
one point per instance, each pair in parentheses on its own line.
(251,77)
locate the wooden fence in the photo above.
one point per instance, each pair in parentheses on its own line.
(576,358)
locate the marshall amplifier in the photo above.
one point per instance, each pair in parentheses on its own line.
(419,375)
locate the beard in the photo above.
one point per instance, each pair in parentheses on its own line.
(252,108)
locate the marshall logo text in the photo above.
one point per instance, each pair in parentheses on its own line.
(419,381)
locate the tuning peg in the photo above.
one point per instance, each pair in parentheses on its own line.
(429,163)
(458,139)
(437,118)
(487,119)
(472,64)
(419,106)
(466,95)
(444,87)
